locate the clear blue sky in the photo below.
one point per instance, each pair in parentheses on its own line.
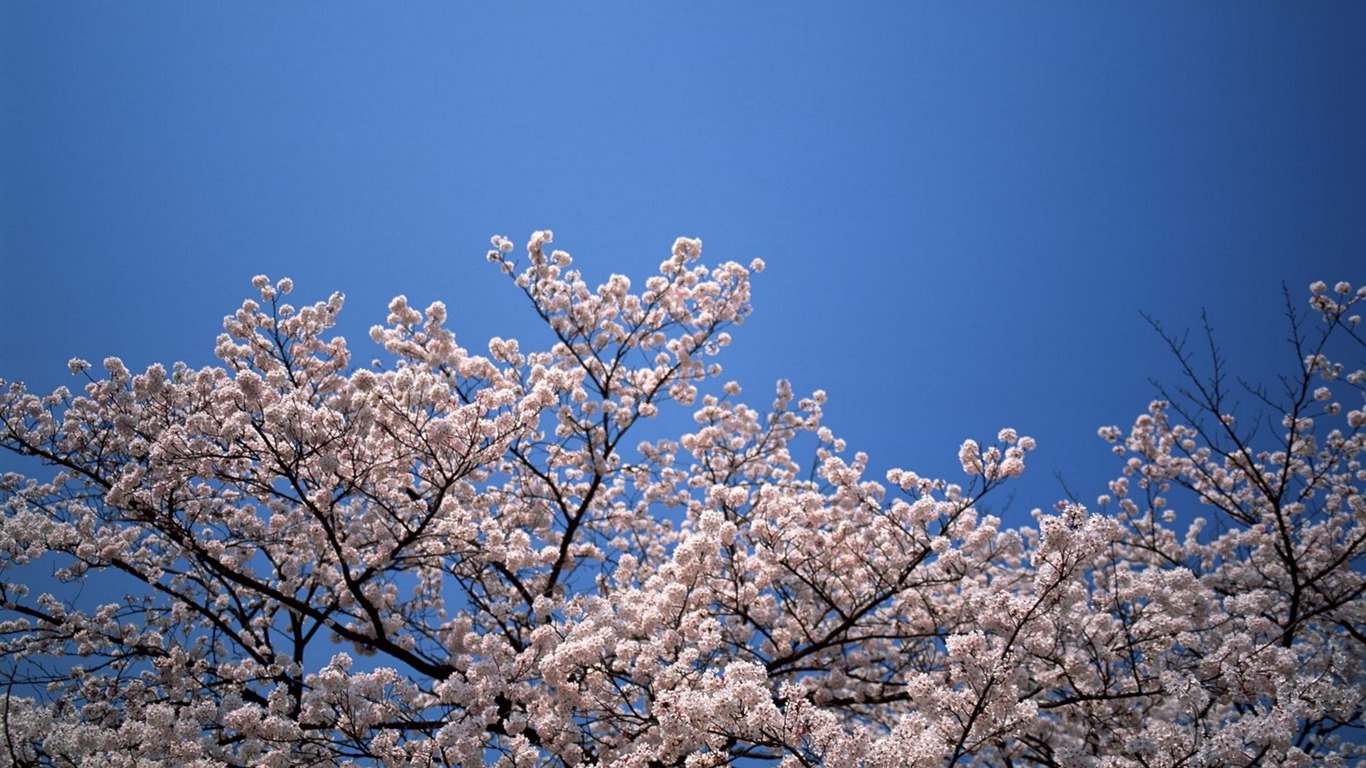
(963,207)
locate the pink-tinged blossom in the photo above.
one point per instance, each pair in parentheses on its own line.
(970,457)
(459,556)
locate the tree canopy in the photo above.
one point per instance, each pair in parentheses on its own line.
(461,558)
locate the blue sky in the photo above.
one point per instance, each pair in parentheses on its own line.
(963,207)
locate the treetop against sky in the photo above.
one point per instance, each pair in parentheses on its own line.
(965,213)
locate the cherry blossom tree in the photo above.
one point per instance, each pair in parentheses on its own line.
(460,558)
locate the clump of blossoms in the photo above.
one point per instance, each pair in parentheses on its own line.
(466,558)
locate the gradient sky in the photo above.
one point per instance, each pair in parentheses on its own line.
(963,207)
